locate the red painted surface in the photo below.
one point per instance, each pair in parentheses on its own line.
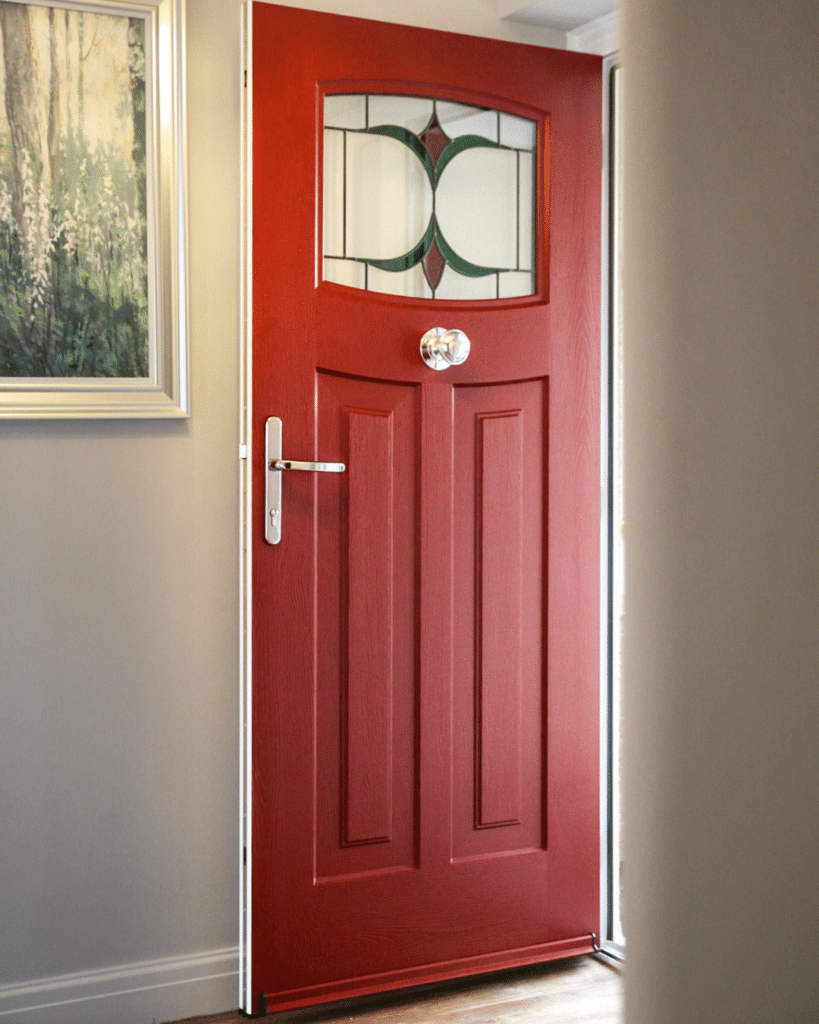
(370,541)
(367,551)
(425,637)
(499,592)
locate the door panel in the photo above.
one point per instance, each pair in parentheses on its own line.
(499,619)
(367,726)
(425,635)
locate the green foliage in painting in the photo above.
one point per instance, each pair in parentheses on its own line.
(73,239)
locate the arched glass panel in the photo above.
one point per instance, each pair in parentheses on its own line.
(428,198)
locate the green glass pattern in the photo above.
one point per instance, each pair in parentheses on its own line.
(414,142)
(411,258)
(418,252)
(435,150)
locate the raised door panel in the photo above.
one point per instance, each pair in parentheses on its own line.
(500,614)
(367,610)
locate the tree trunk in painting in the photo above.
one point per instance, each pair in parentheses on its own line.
(73,243)
(53,95)
(53,143)
(69,128)
(29,151)
(136,65)
(80,77)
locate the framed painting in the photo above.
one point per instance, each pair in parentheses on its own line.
(93,211)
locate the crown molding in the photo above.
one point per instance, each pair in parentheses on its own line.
(598,36)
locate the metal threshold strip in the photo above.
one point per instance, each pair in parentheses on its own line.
(607,951)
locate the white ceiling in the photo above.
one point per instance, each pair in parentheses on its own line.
(563,15)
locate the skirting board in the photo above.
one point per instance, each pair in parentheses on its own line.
(142,993)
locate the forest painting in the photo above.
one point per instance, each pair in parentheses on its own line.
(73,209)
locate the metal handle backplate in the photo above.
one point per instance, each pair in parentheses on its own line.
(274,465)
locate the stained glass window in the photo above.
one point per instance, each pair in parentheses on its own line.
(428,198)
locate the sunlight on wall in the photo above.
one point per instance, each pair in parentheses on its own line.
(93,80)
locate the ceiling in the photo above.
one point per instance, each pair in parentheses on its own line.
(563,15)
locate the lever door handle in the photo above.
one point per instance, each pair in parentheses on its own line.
(274,464)
(308,467)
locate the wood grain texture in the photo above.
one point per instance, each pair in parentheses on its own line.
(499,578)
(500,587)
(367,606)
(368,739)
(329,914)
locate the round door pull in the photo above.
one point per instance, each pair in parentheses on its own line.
(441,348)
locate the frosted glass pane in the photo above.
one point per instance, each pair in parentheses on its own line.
(333,193)
(457,119)
(476,206)
(411,112)
(347,272)
(526,211)
(455,286)
(389,197)
(344,112)
(517,132)
(514,283)
(406,282)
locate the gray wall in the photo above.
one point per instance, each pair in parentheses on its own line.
(119,624)
(722,495)
(118,558)
(118,627)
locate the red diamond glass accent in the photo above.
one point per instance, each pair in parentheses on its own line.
(435,139)
(434,265)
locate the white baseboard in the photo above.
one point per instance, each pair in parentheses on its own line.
(142,993)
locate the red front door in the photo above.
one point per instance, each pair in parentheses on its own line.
(425,636)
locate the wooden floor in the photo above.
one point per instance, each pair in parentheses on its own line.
(584,990)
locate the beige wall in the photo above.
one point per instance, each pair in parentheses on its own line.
(118,559)
(118,627)
(722,495)
(119,620)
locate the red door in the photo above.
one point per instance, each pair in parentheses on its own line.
(425,638)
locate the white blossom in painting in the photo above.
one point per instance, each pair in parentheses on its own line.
(73,212)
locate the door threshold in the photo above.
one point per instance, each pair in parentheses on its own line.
(464,967)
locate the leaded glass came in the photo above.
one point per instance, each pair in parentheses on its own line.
(428,198)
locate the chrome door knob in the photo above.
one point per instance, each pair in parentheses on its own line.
(441,348)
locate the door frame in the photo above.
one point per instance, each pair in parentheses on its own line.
(246,506)
(610,935)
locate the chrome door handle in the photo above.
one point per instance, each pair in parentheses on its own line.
(309,467)
(274,464)
(440,348)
